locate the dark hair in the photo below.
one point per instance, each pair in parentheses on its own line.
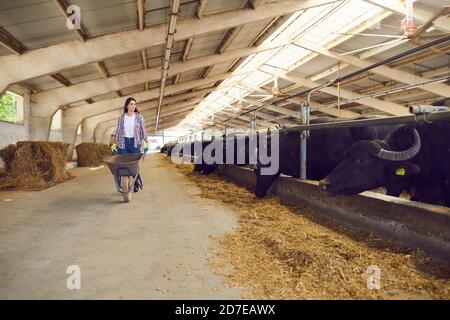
(127,102)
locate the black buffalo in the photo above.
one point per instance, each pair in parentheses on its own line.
(238,144)
(414,157)
(325,149)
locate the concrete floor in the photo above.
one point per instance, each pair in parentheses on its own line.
(154,247)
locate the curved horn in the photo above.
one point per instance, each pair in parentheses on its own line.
(402,155)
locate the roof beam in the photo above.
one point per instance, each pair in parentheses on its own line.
(385,106)
(10,42)
(187,49)
(249,118)
(141,14)
(256,3)
(102,69)
(391,73)
(111,104)
(61,79)
(436,72)
(110,118)
(172,103)
(228,39)
(54,58)
(201,8)
(224,44)
(48,101)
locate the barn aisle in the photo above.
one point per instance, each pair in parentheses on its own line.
(154,247)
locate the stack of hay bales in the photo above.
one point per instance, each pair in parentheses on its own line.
(90,154)
(34,165)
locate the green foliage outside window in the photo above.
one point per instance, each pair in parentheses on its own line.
(8,107)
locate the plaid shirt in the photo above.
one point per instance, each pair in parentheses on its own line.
(139,130)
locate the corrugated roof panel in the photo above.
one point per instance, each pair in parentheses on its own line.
(110,95)
(124,63)
(130,90)
(206,44)
(221,67)
(223,5)
(81,74)
(43,83)
(157,11)
(190,75)
(35,23)
(248,34)
(107,16)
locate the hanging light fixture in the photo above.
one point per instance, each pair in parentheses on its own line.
(408,26)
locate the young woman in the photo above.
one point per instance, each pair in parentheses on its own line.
(130,132)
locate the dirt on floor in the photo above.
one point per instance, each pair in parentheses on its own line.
(286,251)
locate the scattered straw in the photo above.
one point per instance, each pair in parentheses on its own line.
(286,251)
(35,165)
(91,154)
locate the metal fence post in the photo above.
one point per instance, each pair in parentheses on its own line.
(304,112)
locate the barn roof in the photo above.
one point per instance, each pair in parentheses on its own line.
(225,57)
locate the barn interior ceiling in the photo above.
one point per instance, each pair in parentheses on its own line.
(195,63)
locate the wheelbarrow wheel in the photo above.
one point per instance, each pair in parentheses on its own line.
(125,188)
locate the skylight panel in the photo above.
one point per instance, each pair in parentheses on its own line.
(318,25)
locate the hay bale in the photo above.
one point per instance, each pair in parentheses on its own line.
(91,154)
(36,165)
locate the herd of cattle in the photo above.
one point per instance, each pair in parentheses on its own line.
(413,158)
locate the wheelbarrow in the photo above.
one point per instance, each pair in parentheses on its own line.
(125,169)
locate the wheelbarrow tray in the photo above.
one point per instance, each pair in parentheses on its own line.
(124,164)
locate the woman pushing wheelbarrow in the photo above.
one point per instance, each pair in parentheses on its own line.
(129,149)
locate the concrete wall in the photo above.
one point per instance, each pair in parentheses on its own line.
(56,135)
(10,133)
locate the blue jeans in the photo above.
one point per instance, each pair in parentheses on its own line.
(129,147)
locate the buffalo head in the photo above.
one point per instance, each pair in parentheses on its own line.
(372,164)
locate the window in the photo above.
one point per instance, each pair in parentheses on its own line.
(56,121)
(11,107)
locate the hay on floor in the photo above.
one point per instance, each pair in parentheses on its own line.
(34,165)
(286,251)
(90,154)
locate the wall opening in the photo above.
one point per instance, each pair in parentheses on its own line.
(56,121)
(11,107)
